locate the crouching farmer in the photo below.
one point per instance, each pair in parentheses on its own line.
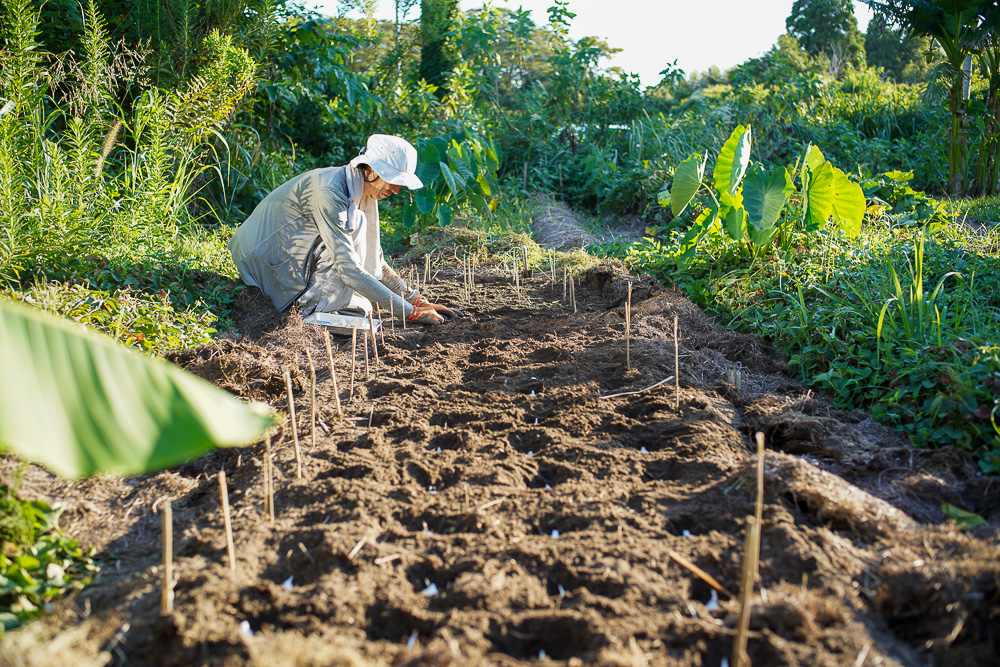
(314,241)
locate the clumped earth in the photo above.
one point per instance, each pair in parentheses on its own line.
(504,490)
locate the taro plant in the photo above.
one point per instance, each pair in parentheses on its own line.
(80,404)
(458,170)
(748,199)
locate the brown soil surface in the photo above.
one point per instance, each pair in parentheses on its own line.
(504,490)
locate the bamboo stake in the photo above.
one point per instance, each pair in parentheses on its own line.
(167,593)
(677,368)
(354,358)
(333,374)
(312,398)
(392,314)
(572,292)
(268,478)
(628,327)
(368,375)
(565,280)
(751,561)
(427,269)
(381,329)
(295,429)
(402,306)
(224,496)
(371,332)
(525,272)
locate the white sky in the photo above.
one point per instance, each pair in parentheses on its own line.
(652,33)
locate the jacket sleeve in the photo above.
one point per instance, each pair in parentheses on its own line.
(395,283)
(331,217)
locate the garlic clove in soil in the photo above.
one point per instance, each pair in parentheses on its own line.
(430,591)
(555,534)
(713,603)
(287,584)
(245,629)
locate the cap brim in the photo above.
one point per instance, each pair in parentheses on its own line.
(408,180)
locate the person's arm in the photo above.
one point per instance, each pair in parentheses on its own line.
(331,218)
(396,284)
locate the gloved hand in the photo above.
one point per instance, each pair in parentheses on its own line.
(425,315)
(444,311)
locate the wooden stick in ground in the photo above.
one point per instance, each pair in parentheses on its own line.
(333,374)
(268,478)
(628,327)
(368,373)
(572,292)
(565,281)
(312,398)
(295,429)
(371,332)
(392,313)
(427,269)
(224,496)
(402,307)
(167,593)
(677,368)
(751,559)
(354,359)
(698,572)
(381,328)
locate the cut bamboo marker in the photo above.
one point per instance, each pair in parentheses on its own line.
(295,429)
(526,272)
(677,368)
(167,594)
(354,359)
(628,327)
(427,269)
(224,496)
(368,371)
(402,307)
(392,314)
(381,329)
(572,292)
(333,374)
(751,559)
(565,281)
(268,478)
(371,332)
(312,398)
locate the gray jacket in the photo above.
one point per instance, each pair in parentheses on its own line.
(319,212)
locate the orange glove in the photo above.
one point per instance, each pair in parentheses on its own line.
(446,312)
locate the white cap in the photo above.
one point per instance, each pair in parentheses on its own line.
(392,158)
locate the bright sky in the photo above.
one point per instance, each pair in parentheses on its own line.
(652,33)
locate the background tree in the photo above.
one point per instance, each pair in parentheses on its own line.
(828,28)
(438,44)
(960,28)
(902,57)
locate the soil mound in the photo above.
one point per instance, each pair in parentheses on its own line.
(505,489)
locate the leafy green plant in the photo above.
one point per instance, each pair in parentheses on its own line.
(458,170)
(748,200)
(80,404)
(40,563)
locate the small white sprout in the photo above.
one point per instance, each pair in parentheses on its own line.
(427,531)
(562,591)
(547,486)
(431,590)
(532,392)
(536,421)
(431,490)
(438,450)
(685,533)
(245,629)
(412,641)
(555,533)
(530,453)
(542,655)
(644,450)
(287,585)
(713,602)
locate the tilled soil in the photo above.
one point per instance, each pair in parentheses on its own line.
(504,489)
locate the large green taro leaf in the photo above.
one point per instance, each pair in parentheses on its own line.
(79,403)
(848,204)
(687,180)
(819,196)
(733,160)
(764,195)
